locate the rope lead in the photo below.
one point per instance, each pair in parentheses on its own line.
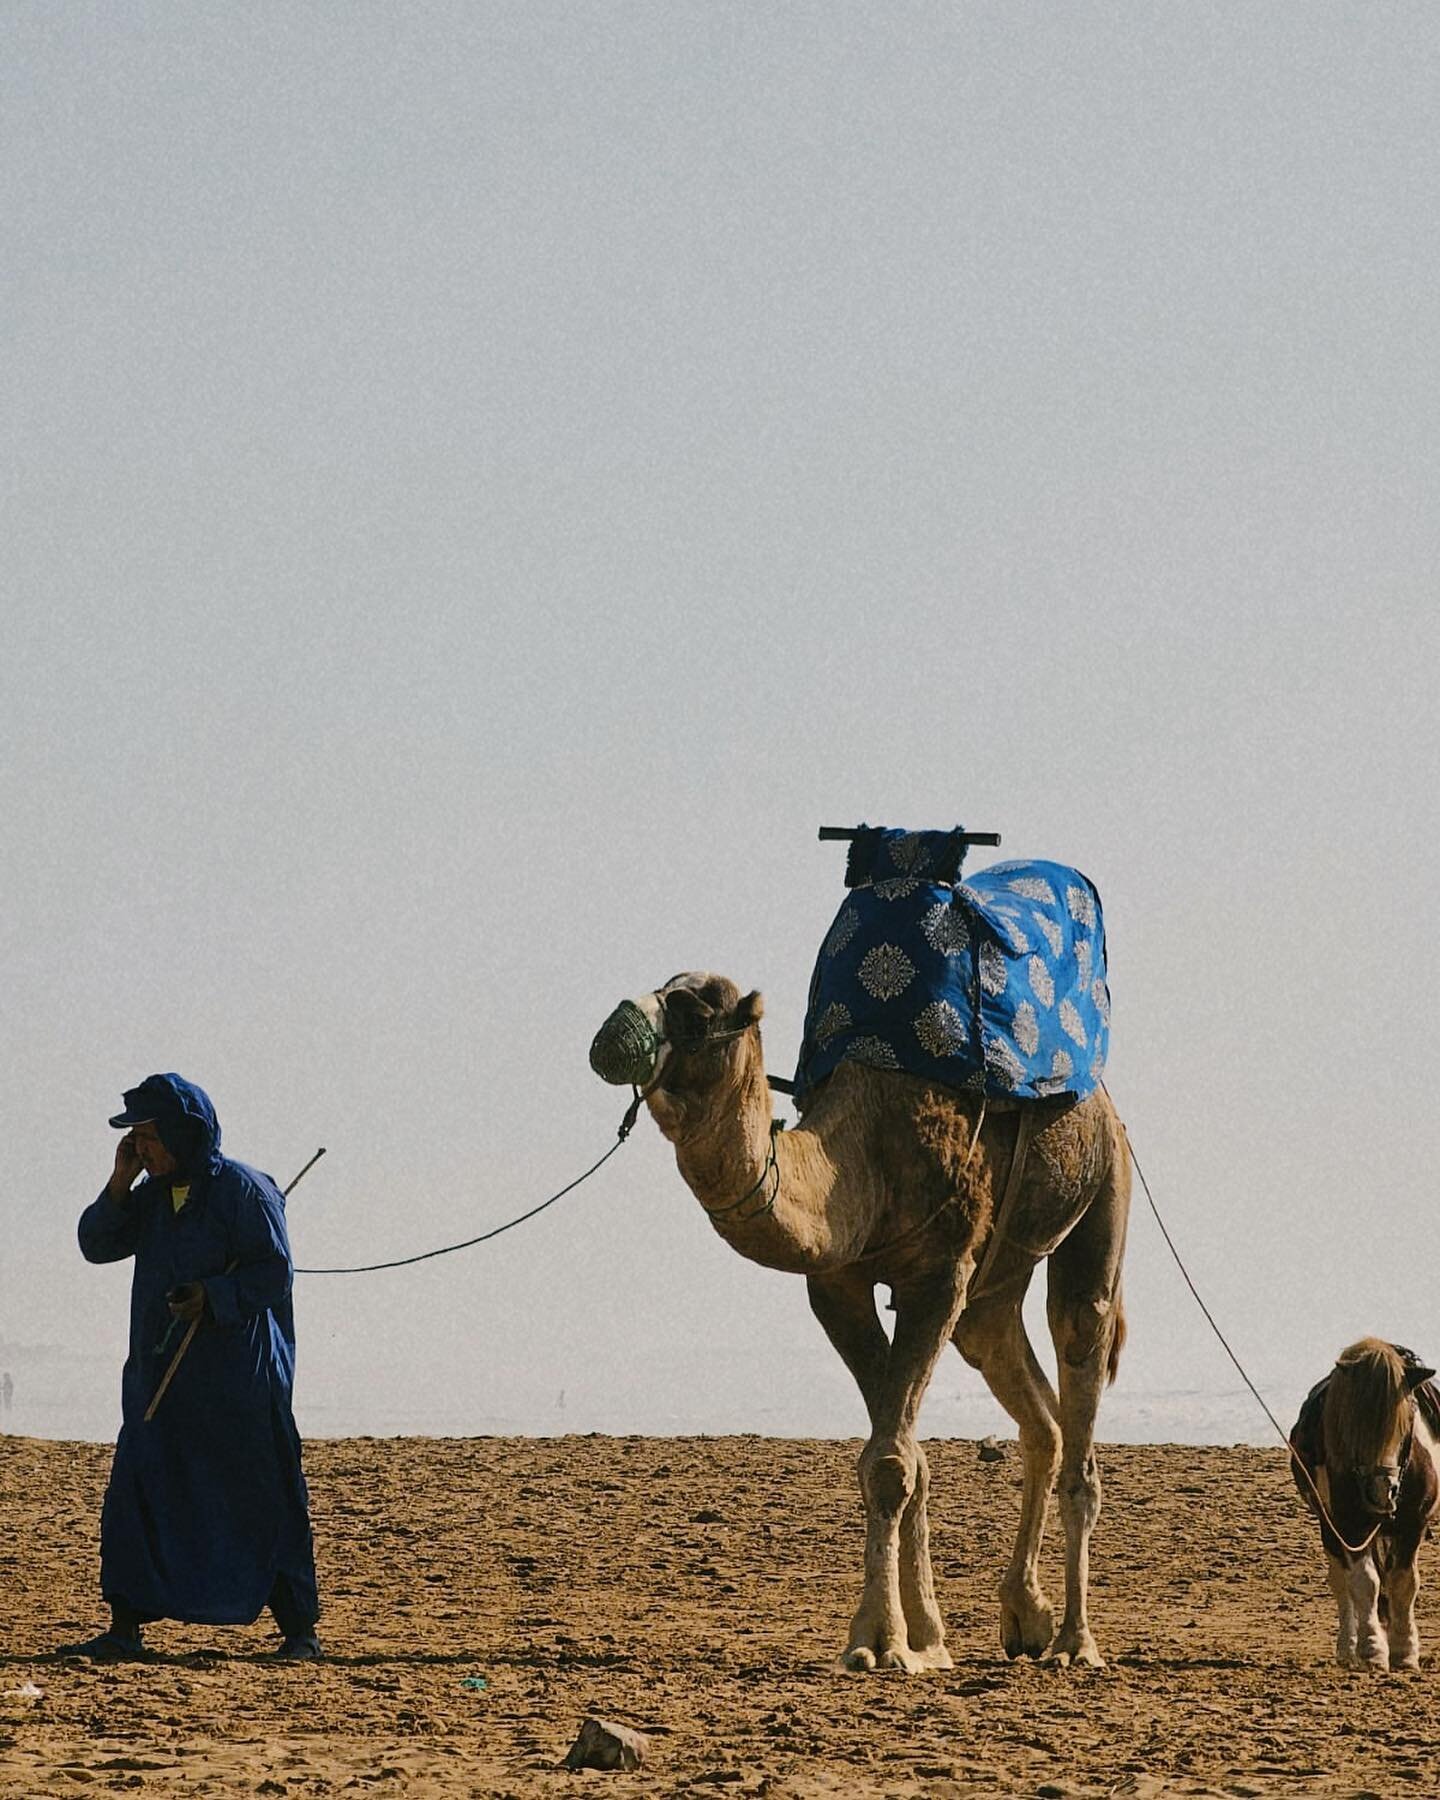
(632,1112)
(1295,1457)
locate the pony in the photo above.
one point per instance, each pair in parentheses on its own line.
(1366,1459)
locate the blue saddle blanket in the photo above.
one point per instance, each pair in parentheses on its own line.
(996,983)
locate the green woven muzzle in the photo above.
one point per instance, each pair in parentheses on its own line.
(626,1050)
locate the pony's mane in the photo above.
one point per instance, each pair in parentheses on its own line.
(1367,1406)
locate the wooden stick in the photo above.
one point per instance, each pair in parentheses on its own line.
(194,1326)
(178,1358)
(845,833)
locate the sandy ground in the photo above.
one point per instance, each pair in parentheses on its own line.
(699,1590)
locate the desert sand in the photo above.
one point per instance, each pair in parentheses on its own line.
(483,1596)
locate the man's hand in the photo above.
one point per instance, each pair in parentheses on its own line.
(127,1167)
(187,1301)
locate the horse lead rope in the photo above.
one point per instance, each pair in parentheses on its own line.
(1295,1457)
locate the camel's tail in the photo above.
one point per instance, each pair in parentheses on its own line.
(1117,1339)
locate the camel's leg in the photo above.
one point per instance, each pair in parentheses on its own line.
(924,1625)
(991,1337)
(1347,1626)
(897,1624)
(1084,1311)
(1080,1490)
(844,1303)
(894,1483)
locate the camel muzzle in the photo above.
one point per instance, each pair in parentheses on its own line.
(626,1048)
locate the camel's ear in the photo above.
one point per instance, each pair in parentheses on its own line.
(1416,1375)
(751,1009)
(686,1016)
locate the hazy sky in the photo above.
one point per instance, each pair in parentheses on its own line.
(483,483)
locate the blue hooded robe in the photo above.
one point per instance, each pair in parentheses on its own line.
(207,1506)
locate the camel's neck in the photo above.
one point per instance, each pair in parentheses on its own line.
(775,1196)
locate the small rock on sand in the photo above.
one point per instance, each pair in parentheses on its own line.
(604,1745)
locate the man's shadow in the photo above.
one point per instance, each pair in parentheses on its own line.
(199,1659)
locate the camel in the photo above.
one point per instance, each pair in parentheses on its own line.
(950,1200)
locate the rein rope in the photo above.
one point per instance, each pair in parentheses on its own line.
(944,1206)
(766,1206)
(772,1165)
(626,1125)
(1295,1457)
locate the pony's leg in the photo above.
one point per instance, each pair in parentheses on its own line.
(1416,1506)
(1402,1583)
(1346,1629)
(897,1624)
(1086,1318)
(1363,1582)
(991,1337)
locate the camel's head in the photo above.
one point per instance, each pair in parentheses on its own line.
(646,1041)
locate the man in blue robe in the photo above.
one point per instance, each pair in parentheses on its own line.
(206,1518)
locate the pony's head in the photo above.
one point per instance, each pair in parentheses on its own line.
(1370,1420)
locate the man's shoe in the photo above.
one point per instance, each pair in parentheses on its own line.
(301,1646)
(109,1646)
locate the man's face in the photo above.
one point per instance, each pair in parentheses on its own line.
(155,1159)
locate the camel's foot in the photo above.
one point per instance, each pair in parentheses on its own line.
(1407,1663)
(1027,1624)
(862,1659)
(1373,1653)
(1075,1648)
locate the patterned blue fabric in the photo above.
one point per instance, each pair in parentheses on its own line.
(996,983)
